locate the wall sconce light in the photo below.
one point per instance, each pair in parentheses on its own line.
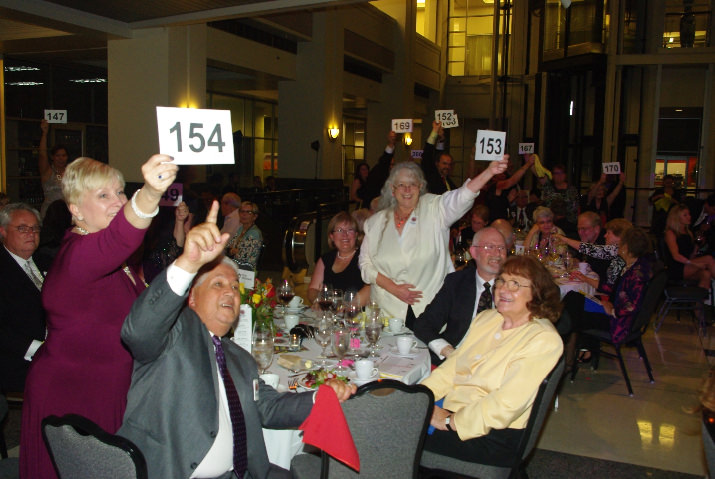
(333,132)
(407,139)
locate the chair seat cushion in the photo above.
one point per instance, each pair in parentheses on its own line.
(685,293)
(305,466)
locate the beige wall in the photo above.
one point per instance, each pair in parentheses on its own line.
(159,67)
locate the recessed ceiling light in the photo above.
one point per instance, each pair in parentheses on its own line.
(24,83)
(21,69)
(89,80)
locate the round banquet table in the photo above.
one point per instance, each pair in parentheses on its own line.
(283,444)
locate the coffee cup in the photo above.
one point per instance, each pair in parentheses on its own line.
(365,369)
(583,267)
(405,344)
(270,379)
(296,302)
(395,325)
(291,321)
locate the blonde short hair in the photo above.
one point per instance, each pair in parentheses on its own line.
(85,174)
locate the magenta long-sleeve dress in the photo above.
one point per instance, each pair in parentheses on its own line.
(82,368)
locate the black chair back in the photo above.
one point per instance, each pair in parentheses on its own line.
(652,296)
(388,421)
(80,448)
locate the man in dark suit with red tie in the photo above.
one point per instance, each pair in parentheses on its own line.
(22,318)
(463,295)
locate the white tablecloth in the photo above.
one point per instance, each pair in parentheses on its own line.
(566,285)
(282,445)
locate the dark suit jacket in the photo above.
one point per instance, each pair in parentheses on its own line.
(435,182)
(376,178)
(452,305)
(172,410)
(22,319)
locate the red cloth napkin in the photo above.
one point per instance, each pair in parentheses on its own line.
(327,429)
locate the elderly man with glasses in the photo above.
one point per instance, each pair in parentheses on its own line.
(22,318)
(464,293)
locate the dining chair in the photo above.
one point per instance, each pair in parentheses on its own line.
(681,295)
(539,410)
(80,448)
(388,421)
(634,338)
(709,446)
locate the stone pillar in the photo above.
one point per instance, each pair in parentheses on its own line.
(158,67)
(312,103)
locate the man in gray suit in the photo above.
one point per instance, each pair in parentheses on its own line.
(181,410)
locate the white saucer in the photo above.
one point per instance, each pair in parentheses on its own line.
(395,352)
(295,310)
(388,331)
(359,382)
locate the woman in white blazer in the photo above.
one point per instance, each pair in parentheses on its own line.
(405,254)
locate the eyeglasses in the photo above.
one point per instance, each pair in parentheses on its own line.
(545,222)
(246,212)
(511,285)
(405,186)
(28,229)
(491,247)
(349,231)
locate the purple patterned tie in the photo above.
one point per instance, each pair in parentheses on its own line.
(238,424)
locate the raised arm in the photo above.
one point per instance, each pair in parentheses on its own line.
(494,168)
(158,174)
(43,161)
(518,174)
(612,196)
(180,216)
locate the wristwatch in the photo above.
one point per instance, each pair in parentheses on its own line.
(447,422)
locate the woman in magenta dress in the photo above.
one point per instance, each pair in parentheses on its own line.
(82,367)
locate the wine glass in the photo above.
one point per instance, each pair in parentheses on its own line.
(373,329)
(323,331)
(340,340)
(285,294)
(325,297)
(352,320)
(262,347)
(337,301)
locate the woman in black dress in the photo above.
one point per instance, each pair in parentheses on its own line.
(339,267)
(680,250)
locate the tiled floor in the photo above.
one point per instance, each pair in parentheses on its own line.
(597,418)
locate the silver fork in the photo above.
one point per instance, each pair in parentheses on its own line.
(293,384)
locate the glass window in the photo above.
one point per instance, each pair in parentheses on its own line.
(470,37)
(687,23)
(255,137)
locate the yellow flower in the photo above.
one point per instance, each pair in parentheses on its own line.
(241,288)
(256,298)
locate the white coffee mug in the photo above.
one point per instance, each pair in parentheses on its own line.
(291,321)
(296,302)
(405,344)
(396,325)
(365,369)
(270,379)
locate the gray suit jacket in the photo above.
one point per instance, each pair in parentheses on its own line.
(172,410)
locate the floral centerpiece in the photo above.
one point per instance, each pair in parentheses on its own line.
(262,300)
